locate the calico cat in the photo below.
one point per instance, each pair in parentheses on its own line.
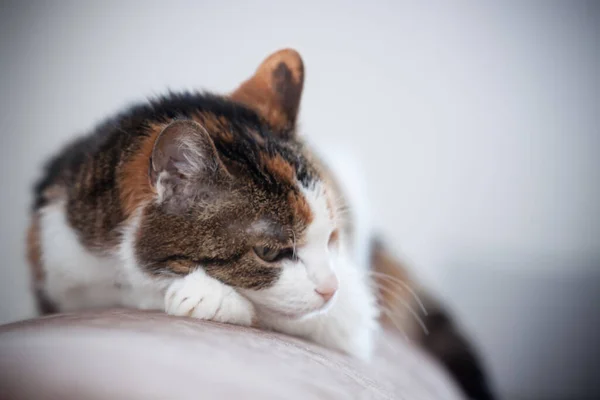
(214,207)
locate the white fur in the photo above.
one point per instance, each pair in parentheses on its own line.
(76,278)
(143,291)
(196,159)
(294,294)
(292,306)
(200,296)
(350,177)
(349,324)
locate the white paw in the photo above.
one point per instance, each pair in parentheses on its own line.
(200,296)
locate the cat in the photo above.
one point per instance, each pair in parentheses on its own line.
(214,207)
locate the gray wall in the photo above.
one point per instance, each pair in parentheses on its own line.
(477,125)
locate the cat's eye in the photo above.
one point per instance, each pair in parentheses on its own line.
(270,254)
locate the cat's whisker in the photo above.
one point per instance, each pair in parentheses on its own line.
(384,276)
(342,209)
(401,302)
(407,306)
(340,206)
(396,296)
(391,313)
(293,244)
(343,214)
(391,316)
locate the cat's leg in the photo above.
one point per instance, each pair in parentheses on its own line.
(201,296)
(34,258)
(68,276)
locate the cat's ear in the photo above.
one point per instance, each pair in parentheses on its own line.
(275,90)
(184,155)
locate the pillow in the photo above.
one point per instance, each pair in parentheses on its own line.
(126,354)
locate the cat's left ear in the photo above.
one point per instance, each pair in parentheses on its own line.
(275,90)
(185,156)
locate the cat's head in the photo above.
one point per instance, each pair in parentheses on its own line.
(235,192)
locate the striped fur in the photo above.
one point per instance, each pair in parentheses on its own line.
(212,206)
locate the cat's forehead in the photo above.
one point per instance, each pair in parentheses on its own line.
(251,148)
(272,173)
(303,217)
(281,216)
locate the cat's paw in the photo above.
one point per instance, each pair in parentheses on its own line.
(200,296)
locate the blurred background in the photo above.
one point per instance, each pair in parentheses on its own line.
(476,124)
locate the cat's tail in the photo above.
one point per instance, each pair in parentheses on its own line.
(418,316)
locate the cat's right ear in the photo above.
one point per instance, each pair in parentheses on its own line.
(275,91)
(184,153)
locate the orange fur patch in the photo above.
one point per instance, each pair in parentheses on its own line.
(300,208)
(259,139)
(217,126)
(256,94)
(134,183)
(280,168)
(181,267)
(34,251)
(275,89)
(334,238)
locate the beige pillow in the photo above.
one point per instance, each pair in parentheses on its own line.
(119,354)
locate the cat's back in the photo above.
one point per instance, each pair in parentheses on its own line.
(90,163)
(77,211)
(65,166)
(67,230)
(87,191)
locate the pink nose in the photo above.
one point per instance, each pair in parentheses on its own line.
(328,287)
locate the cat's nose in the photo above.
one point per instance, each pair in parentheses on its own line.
(328,287)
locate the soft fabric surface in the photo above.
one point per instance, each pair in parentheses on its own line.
(142,355)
